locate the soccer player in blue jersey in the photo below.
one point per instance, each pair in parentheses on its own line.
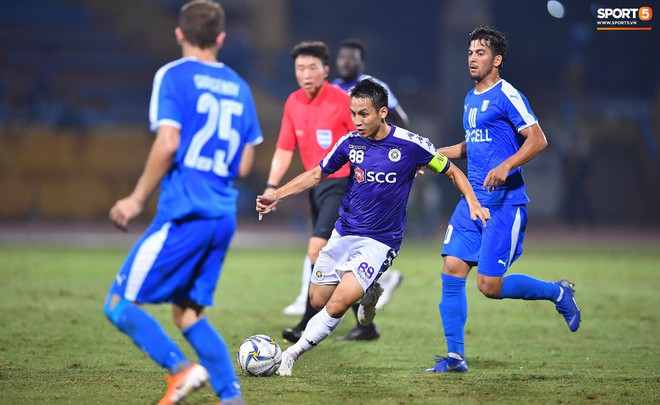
(383,161)
(206,129)
(501,134)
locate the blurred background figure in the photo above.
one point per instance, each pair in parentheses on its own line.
(351,62)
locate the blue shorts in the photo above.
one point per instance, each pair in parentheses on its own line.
(493,248)
(176,261)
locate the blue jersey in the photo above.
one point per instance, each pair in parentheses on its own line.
(382,173)
(214,109)
(392,101)
(492,122)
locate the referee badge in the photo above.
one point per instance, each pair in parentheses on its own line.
(324,138)
(394,155)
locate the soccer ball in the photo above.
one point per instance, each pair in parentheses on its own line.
(259,356)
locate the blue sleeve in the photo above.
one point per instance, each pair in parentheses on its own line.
(164,106)
(517,109)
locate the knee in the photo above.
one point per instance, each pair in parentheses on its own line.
(316,300)
(336,309)
(113,308)
(313,254)
(455,267)
(490,289)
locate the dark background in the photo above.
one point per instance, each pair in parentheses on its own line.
(75,80)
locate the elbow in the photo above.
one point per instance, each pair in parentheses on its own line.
(169,148)
(317,175)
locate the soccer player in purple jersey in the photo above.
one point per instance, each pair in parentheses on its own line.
(351,62)
(501,134)
(206,129)
(383,161)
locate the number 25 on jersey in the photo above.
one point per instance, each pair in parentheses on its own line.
(219,115)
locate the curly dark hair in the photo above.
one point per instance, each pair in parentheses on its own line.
(494,39)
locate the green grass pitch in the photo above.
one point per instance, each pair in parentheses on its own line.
(56,345)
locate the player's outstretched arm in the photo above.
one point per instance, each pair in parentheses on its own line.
(304,181)
(158,163)
(458,151)
(463,185)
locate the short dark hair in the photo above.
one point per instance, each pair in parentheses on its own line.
(354,43)
(317,49)
(201,22)
(496,40)
(369,89)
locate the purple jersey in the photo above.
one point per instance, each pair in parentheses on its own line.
(382,173)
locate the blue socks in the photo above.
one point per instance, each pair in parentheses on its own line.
(453,311)
(214,356)
(522,286)
(151,338)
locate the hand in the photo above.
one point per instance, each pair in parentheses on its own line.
(480,212)
(496,177)
(266,203)
(420,171)
(125,210)
(269,190)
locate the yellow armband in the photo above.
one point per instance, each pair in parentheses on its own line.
(439,163)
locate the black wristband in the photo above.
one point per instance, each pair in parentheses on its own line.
(271,185)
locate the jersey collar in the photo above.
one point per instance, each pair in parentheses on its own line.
(488,89)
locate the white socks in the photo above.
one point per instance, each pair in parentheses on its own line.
(318,328)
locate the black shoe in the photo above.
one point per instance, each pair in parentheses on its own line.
(360,333)
(292,334)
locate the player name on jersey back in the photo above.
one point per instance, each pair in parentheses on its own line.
(215,85)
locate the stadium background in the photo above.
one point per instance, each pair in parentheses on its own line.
(76,78)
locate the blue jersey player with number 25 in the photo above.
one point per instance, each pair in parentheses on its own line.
(383,160)
(501,134)
(206,127)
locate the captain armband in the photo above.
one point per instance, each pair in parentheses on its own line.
(439,163)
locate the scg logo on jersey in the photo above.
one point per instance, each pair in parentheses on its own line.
(370,177)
